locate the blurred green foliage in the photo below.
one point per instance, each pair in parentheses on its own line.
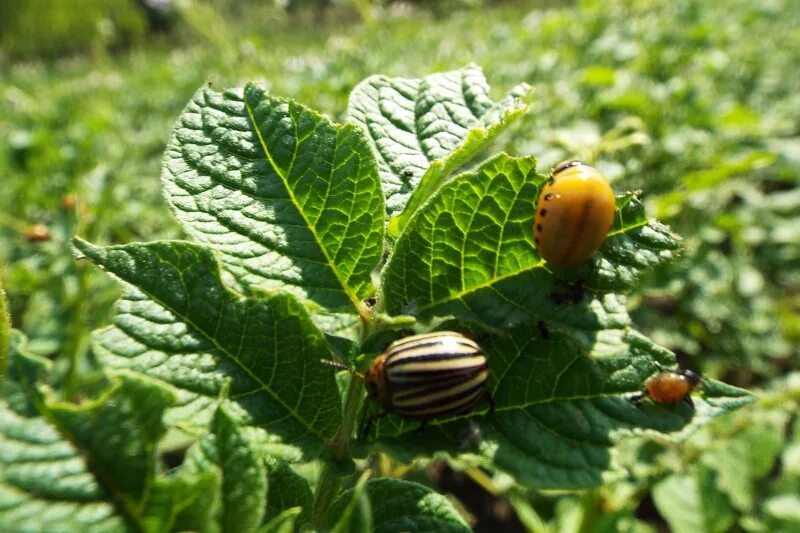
(57,27)
(694,102)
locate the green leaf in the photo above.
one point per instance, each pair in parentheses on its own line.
(422,130)
(559,408)
(397,505)
(351,511)
(89,466)
(469,253)
(45,483)
(243,487)
(119,432)
(634,246)
(178,323)
(289,199)
(287,490)
(692,502)
(183,502)
(747,455)
(283,523)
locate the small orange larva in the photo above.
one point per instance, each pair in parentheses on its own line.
(574,212)
(669,386)
(37,233)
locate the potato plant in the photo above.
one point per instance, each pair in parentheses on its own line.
(315,241)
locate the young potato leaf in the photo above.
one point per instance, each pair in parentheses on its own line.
(560,408)
(422,130)
(352,511)
(282,523)
(290,200)
(243,489)
(89,466)
(177,322)
(693,502)
(385,505)
(183,502)
(469,253)
(287,490)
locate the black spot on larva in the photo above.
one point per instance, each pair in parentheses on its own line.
(548,196)
(539,228)
(543,212)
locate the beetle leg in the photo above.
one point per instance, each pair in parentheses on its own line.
(421,427)
(688,400)
(491,402)
(637,398)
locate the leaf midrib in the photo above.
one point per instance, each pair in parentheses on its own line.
(329,261)
(489,283)
(227,353)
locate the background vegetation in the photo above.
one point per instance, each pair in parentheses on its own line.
(695,102)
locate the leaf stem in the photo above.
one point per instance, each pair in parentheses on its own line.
(331,475)
(5,329)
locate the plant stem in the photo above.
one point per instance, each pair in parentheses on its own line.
(5,329)
(330,477)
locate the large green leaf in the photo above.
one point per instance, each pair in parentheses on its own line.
(560,407)
(89,466)
(178,323)
(289,199)
(244,480)
(386,505)
(469,253)
(422,130)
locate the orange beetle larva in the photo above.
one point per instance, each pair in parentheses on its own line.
(574,212)
(669,386)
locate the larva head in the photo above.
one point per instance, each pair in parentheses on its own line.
(574,212)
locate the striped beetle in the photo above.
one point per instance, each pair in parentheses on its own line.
(430,375)
(433,374)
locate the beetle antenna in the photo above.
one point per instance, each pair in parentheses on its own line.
(334,364)
(341,366)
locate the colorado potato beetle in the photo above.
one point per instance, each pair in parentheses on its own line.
(421,377)
(669,386)
(574,212)
(425,376)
